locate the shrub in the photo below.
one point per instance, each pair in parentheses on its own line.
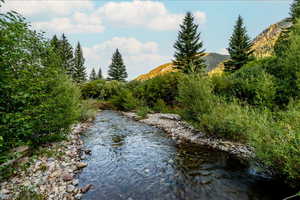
(37,101)
(251,85)
(277,140)
(195,96)
(101,89)
(163,87)
(88,110)
(124,100)
(161,106)
(143,111)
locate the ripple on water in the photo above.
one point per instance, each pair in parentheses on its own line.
(131,160)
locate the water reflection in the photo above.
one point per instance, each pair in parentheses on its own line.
(134,161)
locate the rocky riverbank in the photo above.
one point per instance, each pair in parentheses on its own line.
(51,174)
(183,132)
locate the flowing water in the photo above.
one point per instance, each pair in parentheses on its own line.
(134,161)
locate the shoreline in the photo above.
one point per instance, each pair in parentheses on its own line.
(51,174)
(181,132)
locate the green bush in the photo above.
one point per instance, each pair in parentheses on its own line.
(161,106)
(37,101)
(88,110)
(195,96)
(251,85)
(276,140)
(124,100)
(101,89)
(163,87)
(143,111)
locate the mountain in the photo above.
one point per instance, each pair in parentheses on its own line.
(263,46)
(211,59)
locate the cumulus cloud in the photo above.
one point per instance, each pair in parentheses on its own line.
(139,57)
(150,14)
(77,23)
(223,51)
(47,7)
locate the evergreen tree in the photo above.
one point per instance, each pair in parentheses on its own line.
(117,69)
(79,74)
(282,42)
(188,47)
(66,54)
(93,75)
(239,47)
(295,11)
(99,75)
(55,43)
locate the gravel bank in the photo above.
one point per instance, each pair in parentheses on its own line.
(51,174)
(182,132)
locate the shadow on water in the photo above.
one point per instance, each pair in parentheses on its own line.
(134,161)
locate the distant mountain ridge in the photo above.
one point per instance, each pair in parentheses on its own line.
(263,46)
(212,60)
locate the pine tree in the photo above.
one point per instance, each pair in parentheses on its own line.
(239,47)
(93,75)
(282,42)
(99,75)
(295,11)
(188,47)
(66,54)
(117,69)
(79,74)
(55,43)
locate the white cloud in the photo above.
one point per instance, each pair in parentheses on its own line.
(47,7)
(77,23)
(139,57)
(150,14)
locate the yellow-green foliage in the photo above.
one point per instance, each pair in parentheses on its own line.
(88,109)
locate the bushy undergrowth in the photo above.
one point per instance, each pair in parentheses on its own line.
(37,101)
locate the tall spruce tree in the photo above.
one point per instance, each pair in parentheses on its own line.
(239,47)
(55,43)
(117,69)
(66,54)
(282,42)
(93,75)
(79,74)
(99,75)
(188,47)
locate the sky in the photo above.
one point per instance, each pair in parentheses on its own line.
(144,31)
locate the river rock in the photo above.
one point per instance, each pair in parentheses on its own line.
(81,165)
(67,177)
(86,188)
(70,188)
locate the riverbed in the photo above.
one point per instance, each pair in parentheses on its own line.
(133,161)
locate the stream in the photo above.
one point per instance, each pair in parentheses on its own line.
(134,161)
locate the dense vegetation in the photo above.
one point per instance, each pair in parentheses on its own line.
(39,95)
(256,104)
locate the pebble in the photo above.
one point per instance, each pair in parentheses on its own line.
(51,176)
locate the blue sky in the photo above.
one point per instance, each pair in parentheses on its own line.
(144,31)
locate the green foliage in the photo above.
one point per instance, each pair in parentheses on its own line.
(295,10)
(100,89)
(28,193)
(124,100)
(93,75)
(65,52)
(117,69)
(99,75)
(88,110)
(276,140)
(78,69)
(189,53)
(161,106)
(195,96)
(239,47)
(164,87)
(143,111)
(251,85)
(37,101)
